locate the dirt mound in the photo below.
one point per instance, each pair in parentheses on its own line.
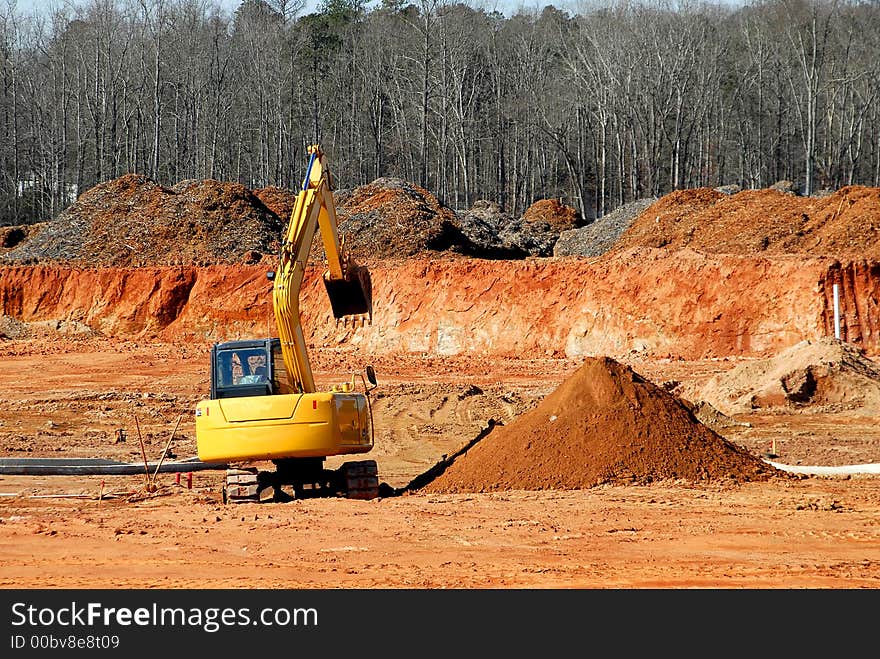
(134,221)
(843,224)
(820,373)
(846,222)
(559,216)
(605,423)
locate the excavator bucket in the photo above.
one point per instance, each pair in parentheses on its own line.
(352,296)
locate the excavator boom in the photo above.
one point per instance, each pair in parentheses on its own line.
(348,284)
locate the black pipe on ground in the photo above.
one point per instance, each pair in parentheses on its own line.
(97,467)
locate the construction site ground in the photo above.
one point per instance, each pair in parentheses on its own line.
(617,385)
(69,397)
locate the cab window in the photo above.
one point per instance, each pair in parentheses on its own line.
(242,366)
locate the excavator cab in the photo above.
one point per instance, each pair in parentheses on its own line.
(248,368)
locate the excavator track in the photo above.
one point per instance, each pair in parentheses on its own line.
(242,486)
(361,479)
(352,480)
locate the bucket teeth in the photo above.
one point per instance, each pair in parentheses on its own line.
(355,320)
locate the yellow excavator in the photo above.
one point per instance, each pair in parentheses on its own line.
(264,405)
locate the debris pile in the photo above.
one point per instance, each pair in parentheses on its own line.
(134,221)
(604,424)
(494,234)
(490,232)
(13,236)
(532,238)
(822,374)
(390,219)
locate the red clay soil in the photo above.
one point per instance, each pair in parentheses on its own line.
(792,533)
(651,302)
(858,283)
(553,212)
(845,224)
(604,424)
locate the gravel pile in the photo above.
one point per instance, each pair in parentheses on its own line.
(599,237)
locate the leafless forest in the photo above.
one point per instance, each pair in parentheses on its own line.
(611,103)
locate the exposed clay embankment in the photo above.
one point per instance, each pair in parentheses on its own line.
(682,304)
(859,301)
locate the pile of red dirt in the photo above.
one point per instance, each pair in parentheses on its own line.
(604,424)
(134,221)
(843,224)
(822,373)
(559,216)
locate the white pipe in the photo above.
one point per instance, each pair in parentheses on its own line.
(816,470)
(836,312)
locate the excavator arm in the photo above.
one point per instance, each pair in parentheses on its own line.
(348,284)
